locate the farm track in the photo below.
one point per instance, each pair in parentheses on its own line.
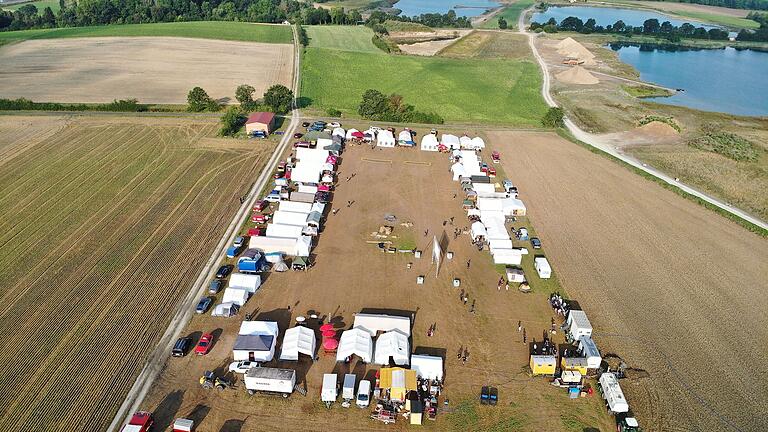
(82,316)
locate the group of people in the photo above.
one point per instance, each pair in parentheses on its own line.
(463,355)
(559,304)
(464,297)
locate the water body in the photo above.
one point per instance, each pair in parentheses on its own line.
(418,7)
(608,16)
(723,80)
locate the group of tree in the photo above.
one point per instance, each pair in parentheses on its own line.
(734,4)
(375,105)
(436,20)
(650,27)
(759,35)
(503,23)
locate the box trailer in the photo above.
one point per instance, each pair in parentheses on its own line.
(330,392)
(348,390)
(302,197)
(270,380)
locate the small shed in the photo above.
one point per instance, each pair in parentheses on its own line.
(248,282)
(543,364)
(260,121)
(515,275)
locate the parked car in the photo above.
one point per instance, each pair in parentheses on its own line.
(242,366)
(215,286)
(259,134)
(224,271)
(256,232)
(334,124)
(298,135)
(203,305)
(260,218)
(491,172)
(495,157)
(273,196)
(260,205)
(508,186)
(141,421)
(535,242)
(181,347)
(204,344)
(305,124)
(239,241)
(363,394)
(233,251)
(323,197)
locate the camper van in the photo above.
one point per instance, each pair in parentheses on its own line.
(364,394)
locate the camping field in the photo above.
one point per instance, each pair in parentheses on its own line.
(105,223)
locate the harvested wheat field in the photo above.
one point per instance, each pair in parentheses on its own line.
(103,227)
(671,287)
(150,69)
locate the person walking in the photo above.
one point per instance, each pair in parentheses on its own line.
(519,326)
(468,262)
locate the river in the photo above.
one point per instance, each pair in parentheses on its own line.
(417,7)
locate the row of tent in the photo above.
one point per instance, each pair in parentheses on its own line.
(405,138)
(240,287)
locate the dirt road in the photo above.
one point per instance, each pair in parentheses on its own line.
(675,289)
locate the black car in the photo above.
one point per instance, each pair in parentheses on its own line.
(224,271)
(215,286)
(203,305)
(535,242)
(181,347)
(323,197)
(305,124)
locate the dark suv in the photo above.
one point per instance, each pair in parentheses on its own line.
(181,347)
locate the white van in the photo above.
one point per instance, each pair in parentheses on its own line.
(363,394)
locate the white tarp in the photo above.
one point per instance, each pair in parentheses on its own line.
(478,230)
(256,341)
(392,344)
(465,142)
(374,323)
(385,139)
(458,171)
(224,310)
(289,218)
(478,143)
(296,207)
(356,341)
(428,367)
(429,142)
(483,188)
(450,141)
(287,231)
(248,282)
(507,256)
(237,296)
(578,325)
(298,340)
(613,394)
(339,132)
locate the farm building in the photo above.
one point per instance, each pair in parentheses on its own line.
(256,341)
(260,121)
(298,340)
(392,344)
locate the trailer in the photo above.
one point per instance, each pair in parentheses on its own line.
(542,267)
(270,381)
(348,390)
(183,425)
(330,392)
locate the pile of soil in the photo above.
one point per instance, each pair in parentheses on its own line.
(657,129)
(577,75)
(570,48)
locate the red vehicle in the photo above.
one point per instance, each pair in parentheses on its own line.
(303,144)
(260,218)
(281,166)
(260,205)
(287,175)
(491,172)
(496,157)
(256,232)
(204,344)
(141,421)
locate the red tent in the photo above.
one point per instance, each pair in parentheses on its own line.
(327,326)
(329,333)
(357,134)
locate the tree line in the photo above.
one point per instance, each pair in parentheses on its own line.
(735,4)
(759,35)
(650,27)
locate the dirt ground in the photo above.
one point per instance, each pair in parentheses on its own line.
(352,275)
(489,44)
(104,223)
(426,48)
(669,286)
(152,70)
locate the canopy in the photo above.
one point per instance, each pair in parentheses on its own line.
(256,341)
(225,310)
(507,256)
(465,142)
(303,246)
(429,142)
(287,231)
(237,296)
(288,218)
(374,323)
(326,326)
(314,218)
(478,230)
(451,141)
(385,139)
(296,207)
(613,394)
(392,344)
(248,282)
(330,344)
(298,340)
(399,381)
(356,341)
(429,367)
(405,137)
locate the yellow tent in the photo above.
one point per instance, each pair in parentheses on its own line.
(574,364)
(543,364)
(399,381)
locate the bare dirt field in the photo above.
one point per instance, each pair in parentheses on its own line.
(351,275)
(489,44)
(669,286)
(103,226)
(152,70)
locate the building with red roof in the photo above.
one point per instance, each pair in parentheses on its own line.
(260,121)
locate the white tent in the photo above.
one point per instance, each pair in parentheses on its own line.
(478,230)
(392,344)
(458,171)
(303,246)
(298,340)
(256,341)
(280,266)
(248,282)
(429,367)
(318,207)
(237,296)
(451,141)
(287,231)
(225,310)
(484,188)
(296,207)
(513,207)
(578,325)
(478,143)
(281,217)
(500,244)
(305,173)
(515,275)
(273,244)
(471,162)
(356,341)
(339,132)
(429,142)
(507,256)
(308,188)
(369,135)
(613,394)
(490,204)
(374,323)
(350,133)
(385,139)
(323,142)
(405,137)
(465,142)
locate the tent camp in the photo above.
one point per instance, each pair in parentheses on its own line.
(375,323)
(256,341)
(429,142)
(356,341)
(589,350)
(296,207)
(458,171)
(298,340)
(392,344)
(613,394)
(225,310)
(450,141)
(577,325)
(404,138)
(543,364)
(286,231)
(428,367)
(398,381)
(289,218)
(248,282)
(478,231)
(385,139)
(237,296)
(478,143)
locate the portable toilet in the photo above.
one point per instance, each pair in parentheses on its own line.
(543,364)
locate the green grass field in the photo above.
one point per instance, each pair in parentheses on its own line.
(495,91)
(402,26)
(511,13)
(344,38)
(203,29)
(40,5)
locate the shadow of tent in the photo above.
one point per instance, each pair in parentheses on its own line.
(167,409)
(198,414)
(395,312)
(232,425)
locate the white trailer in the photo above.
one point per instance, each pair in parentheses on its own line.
(542,267)
(270,380)
(330,391)
(348,390)
(612,393)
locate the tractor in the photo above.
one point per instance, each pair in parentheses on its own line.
(209,380)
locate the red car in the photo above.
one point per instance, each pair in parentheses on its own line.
(255,232)
(496,157)
(141,421)
(260,205)
(204,344)
(259,218)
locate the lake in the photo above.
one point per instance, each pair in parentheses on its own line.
(723,80)
(417,7)
(607,16)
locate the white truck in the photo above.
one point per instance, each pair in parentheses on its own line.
(348,390)
(330,390)
(270,380)
(363,394)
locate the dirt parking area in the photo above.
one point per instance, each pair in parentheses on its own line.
(351,275)
(671,287)
(151,69)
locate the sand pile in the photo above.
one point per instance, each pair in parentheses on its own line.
(570,48)
(577,75)
(656,129)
